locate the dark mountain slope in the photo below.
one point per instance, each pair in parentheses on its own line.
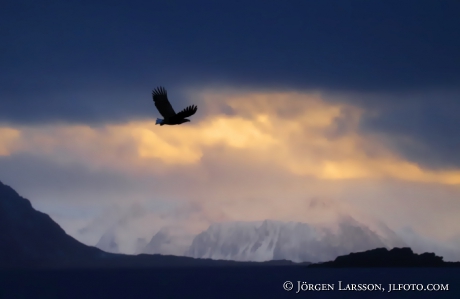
(29,237)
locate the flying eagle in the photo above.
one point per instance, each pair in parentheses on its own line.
(160,98)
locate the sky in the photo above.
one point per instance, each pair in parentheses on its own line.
(351,102)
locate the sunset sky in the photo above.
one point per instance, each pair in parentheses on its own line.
(352,103)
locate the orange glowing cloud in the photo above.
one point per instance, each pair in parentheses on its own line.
(8,140)
(298,133)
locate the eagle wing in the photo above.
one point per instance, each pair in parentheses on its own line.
(162,103)
(189,111)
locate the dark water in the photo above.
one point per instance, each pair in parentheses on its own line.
(230,282)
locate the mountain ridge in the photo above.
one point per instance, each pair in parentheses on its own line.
(45,239)
(31,239)
(296,241)
(382,257)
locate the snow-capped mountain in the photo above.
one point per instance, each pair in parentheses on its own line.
(296,241)
(140,245)
(169,240)
(331,229)
(108,242)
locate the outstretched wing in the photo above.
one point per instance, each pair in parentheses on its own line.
(162,103)
(189,111)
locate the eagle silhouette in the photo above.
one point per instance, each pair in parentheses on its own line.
(160,98)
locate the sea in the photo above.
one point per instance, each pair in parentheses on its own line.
(232,282)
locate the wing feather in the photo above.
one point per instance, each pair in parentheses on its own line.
(189,111)
(160,97)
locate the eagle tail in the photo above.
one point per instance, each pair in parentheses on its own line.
(159,121)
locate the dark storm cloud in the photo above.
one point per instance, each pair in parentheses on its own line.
(424,129)
(89,61)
